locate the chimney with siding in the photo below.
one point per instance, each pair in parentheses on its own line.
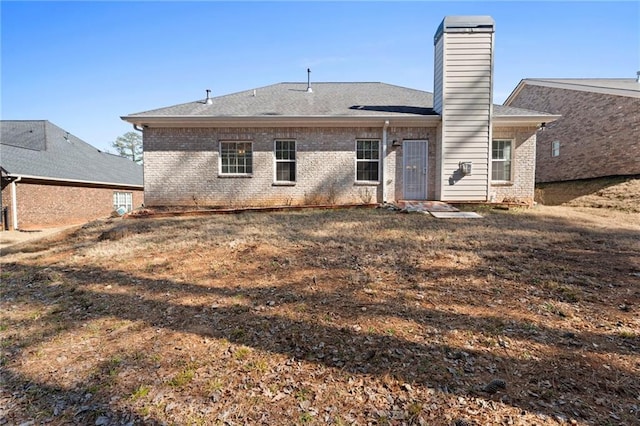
(463,87)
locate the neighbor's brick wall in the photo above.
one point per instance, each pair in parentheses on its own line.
(42,206)
(599,134)
(181,167)
(522,187)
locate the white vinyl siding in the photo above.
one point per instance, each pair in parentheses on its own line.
(437,76)
(467,61)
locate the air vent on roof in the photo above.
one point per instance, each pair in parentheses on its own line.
(309,89)
(638,77)
(208,101)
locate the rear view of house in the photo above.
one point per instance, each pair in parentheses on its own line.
(346,143)
(52,178)
(598,134)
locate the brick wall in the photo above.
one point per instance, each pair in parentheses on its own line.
(599,134)
(522,186)
(42,205)
(181,166)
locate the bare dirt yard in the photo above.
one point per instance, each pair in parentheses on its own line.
(343,317)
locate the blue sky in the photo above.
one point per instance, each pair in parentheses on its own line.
(83,64)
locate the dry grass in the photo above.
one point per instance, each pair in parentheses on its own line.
(617,192)
(327,317)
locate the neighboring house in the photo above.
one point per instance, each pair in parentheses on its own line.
(598,134)
(346,143)
(52,178)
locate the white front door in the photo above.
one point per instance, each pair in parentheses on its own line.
(414,154)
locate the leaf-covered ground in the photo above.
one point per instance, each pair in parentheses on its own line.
(359,316)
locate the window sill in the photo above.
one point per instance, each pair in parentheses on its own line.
(366,183)
(234,176)
(501,183)
(283,184)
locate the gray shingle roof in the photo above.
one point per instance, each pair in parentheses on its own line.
(40,148)
(325,100)
(612,85)
(628,87)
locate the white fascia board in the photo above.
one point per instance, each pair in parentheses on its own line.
(523,120)
(86,182)
(283,121)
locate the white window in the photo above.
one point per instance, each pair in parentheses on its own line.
(367,160)
(555,148)
(236,158)
(285,157)
(123,200)
(501,153)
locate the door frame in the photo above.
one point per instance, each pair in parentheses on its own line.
(424,165)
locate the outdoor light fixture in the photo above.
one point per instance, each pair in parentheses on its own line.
(464,167)
(396,142)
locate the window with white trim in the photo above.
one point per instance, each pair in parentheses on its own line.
(501,153)
(285,158)
(367,160)
(123,200)
(555,148)
(236,158)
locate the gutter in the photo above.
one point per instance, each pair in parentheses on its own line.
(87,182)
(14,203)
(524,120)
(382,162)
(282,121)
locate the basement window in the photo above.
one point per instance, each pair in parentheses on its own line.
(555,148)
(367,160)
(236,158)
(123,200)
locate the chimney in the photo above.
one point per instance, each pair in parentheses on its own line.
(462,95)
(209,100)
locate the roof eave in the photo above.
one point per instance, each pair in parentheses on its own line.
(78,181)
(524,120)
(283,121)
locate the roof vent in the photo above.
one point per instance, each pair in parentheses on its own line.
(309,89)
(209,100)
(638,77)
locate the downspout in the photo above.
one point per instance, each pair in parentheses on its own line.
(135,126)
(382,162)
(14,203)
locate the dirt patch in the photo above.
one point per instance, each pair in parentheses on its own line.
(619,193)
(328,317)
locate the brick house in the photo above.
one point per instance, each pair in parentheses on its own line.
(52,178)
(598,134)
(349,143)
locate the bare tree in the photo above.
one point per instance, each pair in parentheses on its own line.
(129,146)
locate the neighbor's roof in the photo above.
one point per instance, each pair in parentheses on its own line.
(40,149)
(609,86)
(326,100)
